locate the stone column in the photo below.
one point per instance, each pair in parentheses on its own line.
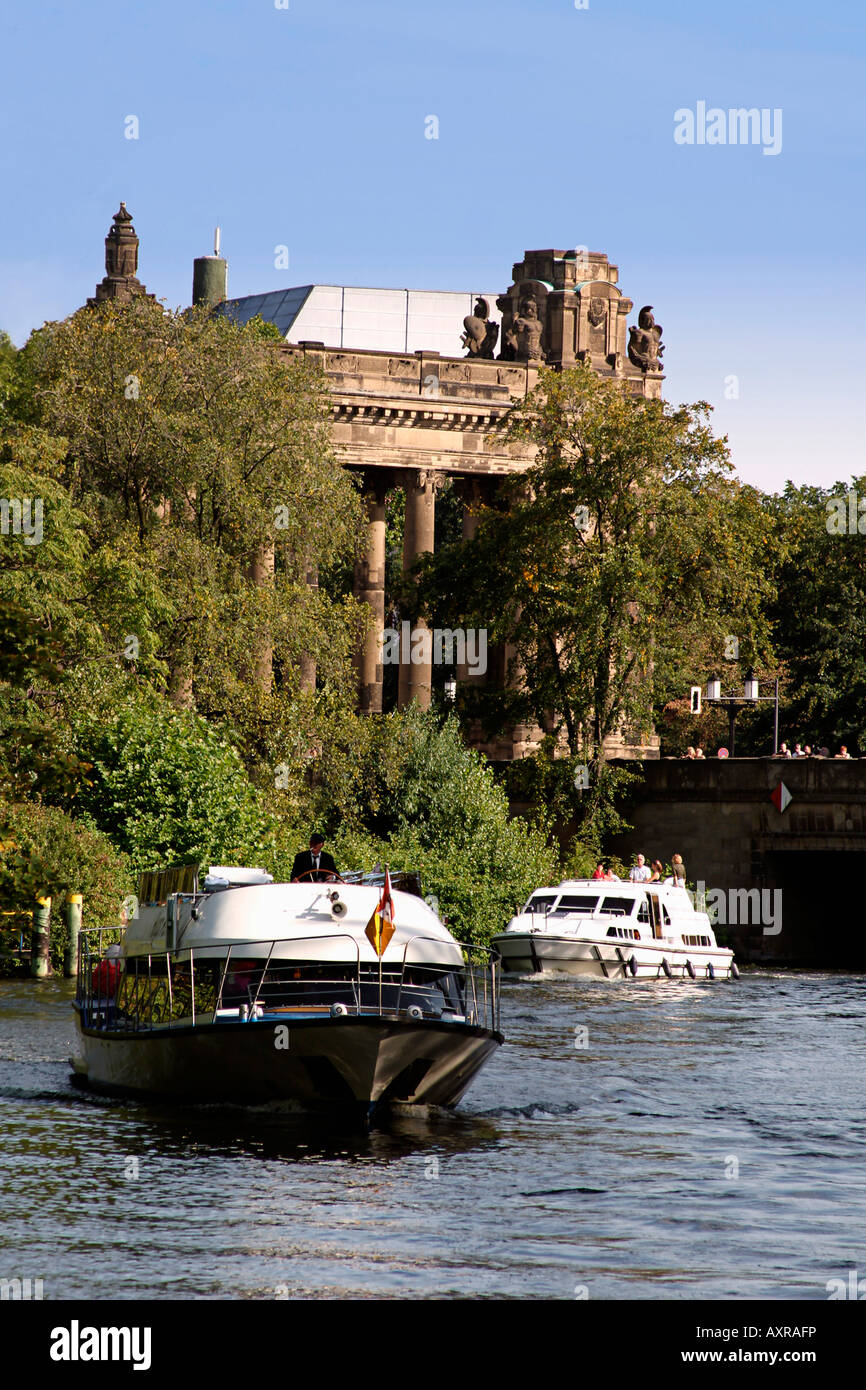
(473,492)
(307,663)
(418,532)
(369,587)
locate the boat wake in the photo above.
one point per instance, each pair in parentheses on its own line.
(536,1111)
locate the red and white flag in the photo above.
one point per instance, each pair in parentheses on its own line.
(380,927)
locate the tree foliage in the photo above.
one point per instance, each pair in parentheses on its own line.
(46,853)
(166,786)
(819,618)
(200,451)
(625,555)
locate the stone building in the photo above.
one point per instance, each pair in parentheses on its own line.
(416,401)
(421,384)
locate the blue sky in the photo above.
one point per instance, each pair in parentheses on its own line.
(306,127)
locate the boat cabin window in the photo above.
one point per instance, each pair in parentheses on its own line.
(696,941)
(540,902)
(571,903)
(618,907)
(624,933)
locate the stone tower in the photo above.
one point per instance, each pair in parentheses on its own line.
(121,262)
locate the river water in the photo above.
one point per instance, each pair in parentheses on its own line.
(630,1140)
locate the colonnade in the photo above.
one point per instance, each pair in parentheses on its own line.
(420,487)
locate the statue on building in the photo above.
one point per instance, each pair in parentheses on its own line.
(525,334)
(479,336)
(645,342)
(507,341)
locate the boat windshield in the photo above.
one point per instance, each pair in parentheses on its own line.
(569,903)
(617,907)
(540,902)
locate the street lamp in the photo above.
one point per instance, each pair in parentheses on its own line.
(734,703)
(451,690)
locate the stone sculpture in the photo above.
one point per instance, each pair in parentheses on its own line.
(645,342)
(526,333)
(597,312)
(479,336)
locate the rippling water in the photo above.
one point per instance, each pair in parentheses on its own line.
(707,1142)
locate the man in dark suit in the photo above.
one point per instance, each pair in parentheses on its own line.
(313,865)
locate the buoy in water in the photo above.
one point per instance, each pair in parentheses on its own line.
(735,974)
(666,968)
(690,970)
(632,965)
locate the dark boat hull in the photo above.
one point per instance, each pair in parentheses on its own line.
(310,1064)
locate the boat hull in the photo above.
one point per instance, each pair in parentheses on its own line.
(308,1064)
(531,953)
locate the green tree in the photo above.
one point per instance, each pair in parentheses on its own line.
(819,616)
(8,372)
(626,555)
(166,786)
(201,449)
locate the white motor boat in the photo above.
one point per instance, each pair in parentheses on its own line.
(252,991)
(614,930)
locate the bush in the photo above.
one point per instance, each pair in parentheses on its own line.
(165,785)
(45,853)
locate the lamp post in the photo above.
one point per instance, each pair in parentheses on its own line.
(734,703)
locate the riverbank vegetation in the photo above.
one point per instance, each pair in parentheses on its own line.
(176,677)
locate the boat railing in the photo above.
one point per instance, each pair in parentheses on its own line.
(247,982)
(480,1003)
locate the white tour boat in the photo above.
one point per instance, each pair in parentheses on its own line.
(330,994)
(615,930)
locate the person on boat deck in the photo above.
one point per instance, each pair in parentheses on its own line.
(657,874)
(607,874)
(639,872)
(313,865)
(678,872)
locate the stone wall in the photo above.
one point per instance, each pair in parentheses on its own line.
(720,816)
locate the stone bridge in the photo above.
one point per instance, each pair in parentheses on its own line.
(808,861)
